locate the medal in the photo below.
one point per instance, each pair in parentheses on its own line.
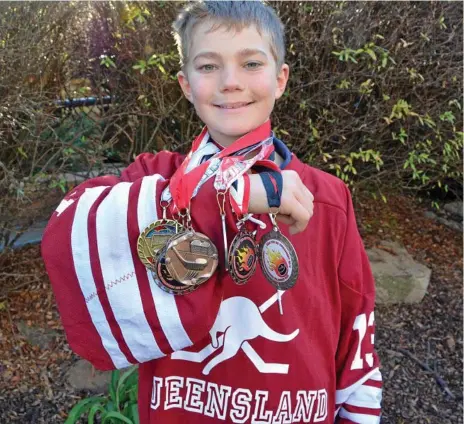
(243,257)
(278,260)
(191,258)
(155,237)
(180,258)
(164,279)
(231,169)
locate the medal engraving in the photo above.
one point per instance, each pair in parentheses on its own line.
(154,238)
(242,257)
(278,260)
(164,279)
(191,258)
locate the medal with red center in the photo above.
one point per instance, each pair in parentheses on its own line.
(243,256)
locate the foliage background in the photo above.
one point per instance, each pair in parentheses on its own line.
(375,94)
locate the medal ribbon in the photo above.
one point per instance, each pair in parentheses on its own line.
(183,184)
(232,168)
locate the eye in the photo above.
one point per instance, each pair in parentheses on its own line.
(253,65)
(207,68)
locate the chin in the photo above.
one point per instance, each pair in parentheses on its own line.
(238,131)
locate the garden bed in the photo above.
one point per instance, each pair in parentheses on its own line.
(33,387)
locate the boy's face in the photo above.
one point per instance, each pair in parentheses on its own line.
(232,80)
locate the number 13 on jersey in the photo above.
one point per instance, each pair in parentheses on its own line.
(365,351)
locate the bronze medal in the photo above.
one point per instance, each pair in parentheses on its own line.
(191,258)
(243,257)
(278,260)
(164,279)
(154,238)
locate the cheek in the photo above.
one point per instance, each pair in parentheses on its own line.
(202,89)
(264,87)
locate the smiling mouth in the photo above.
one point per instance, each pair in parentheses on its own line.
(234,105)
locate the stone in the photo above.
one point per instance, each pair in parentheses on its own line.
(450,223)
(83,376)
(454,208)
(399,278)
(78,177)
(42,337)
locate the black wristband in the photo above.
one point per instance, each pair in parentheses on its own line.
(272,182)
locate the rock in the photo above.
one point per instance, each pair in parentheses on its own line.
(83,376)
(454,208)
(106,169)
(451,343)
(453,224)
(33,235)
(42,337)
(399,278)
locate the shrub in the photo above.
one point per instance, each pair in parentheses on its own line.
(119,406)
(375,94)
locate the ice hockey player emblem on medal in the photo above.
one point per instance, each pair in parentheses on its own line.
(154,238)
(165,280)
(191,258)
(278,260)
(242,257)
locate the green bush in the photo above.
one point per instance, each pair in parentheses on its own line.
(119,406)
(374,97)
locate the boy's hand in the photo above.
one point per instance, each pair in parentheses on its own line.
(296,207)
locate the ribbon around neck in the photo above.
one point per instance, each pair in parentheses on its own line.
(232,163)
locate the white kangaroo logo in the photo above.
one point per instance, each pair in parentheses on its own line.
(240,320)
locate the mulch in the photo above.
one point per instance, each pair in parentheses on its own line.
(408,338)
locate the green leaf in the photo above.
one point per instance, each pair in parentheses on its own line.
(372,54)
(135,413)
(121,388)
(81,408)
(117,416)
(114,384)
(22,152)
(93,412)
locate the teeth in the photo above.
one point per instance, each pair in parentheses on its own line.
(233,107)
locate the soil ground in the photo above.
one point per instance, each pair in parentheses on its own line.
(33,387)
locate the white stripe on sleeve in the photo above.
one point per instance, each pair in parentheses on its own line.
(116,261)
(359,418)
(366,397)
(81,258)
(165,303)
(341,396)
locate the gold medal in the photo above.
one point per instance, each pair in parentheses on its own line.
(191,258)
(154,238)
(278,259)
(243,257)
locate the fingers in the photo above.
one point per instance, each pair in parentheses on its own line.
(306,198)
(301,217)
(285,219)
(297,203)
(296,207)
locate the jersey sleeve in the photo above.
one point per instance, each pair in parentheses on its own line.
(112,311)
(359,382)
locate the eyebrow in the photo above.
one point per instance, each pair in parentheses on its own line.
(242,53)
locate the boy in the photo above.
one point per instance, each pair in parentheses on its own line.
(223,352)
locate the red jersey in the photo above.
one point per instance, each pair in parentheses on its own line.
(223,353)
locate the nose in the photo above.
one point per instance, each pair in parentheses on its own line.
(230,80)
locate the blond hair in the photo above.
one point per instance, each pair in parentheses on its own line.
(234,15)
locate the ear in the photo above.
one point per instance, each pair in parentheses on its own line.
(282,79)
(185,85)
